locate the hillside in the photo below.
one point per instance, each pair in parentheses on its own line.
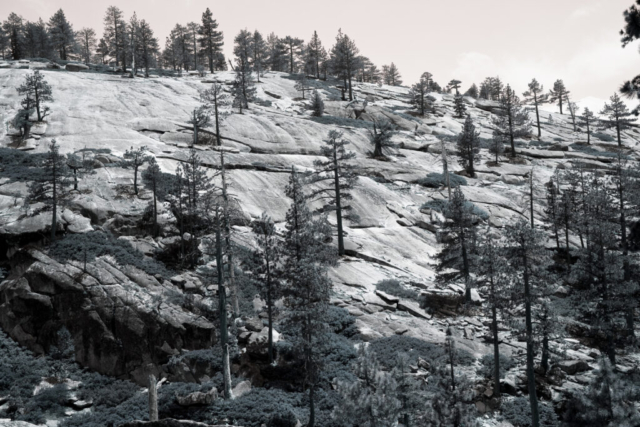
(127,312)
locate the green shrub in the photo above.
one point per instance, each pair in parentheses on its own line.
(49,402)
(439,205)
(341,121)
(486,368)
(18,165)
(586,149)
(518,412)
(393,287)
(341,322)
(603,137)
(387,350)
(437,180)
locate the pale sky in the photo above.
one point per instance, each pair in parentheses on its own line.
(575,40)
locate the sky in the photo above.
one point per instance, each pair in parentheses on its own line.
(574,40)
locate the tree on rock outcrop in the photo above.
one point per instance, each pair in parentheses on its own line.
(371,400)
(307,287)
(210,40)
(468,146)
(458,252)
(618,116)
(147,45)
(51,187)
(302,85)
(345,60)
(87,42)
(419,94)
(473,91)
(36,89)
(496,146)
(391,75)
(243,87)
(334,180)
(115,28)
(380,138)
(315,55)
(459,107)
(198,119)
(534,96)
(455,84)
(152,176)
(317,104)
(62,35)
(294,47)
(512,120)
(134,158)
(558,94)
(215,99)
(258,53)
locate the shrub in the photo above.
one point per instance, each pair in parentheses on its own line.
(437,180)
(99,243)
(49,402)
(486,368)
(341,121)
(341,322)
(393,287)
(439,205)
(518,412)
(603,137)
(18,165)
(388,348)
(586,149)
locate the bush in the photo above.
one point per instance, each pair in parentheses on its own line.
(99,243)
(439,205)
(49,402)
(518,412)
(586,149)
(603,137)
(486,368)
(341,121)
(393,287)
(341,322)
(437,180)
(18,165)
(387,349)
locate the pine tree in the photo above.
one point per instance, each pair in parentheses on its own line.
(335,179)
(276,53)
(371,400)
(459,107)
(52,188)
(14,28)
(558,94)
(308,288)
(573,112)
(316,55)
(210,40)
(512,121)
(468,146)
(114,29)
(457,253)
(79,166)
(496,146)
(87,39)
(317,104)
(36,88)
(194,29)
(302,85)
(588,119)
(473,91)
(528,261)
(242,47)
(380,138)
(409,391)
(152,176)
(420,92)
(391,75)
(148,45)
(534,96)
(265,268)
(243,88)
(259,53)
(134,158)
(102,49)
(345,60)
(293,46)
(198,119)
(552,209)
(4,42)
(455,84)
(215,100)
(37,43)
(618,116)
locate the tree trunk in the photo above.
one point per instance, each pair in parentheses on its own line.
(153,398)
(222,307)
(135,176)
(54,200)
(531,198)
(535,100)
(338,203)
(544,361)
(496,346)
(531,379)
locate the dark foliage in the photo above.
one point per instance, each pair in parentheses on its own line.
(487,365)
(388,348)
(437,180)
(440,205)
(518,413)
(393,287)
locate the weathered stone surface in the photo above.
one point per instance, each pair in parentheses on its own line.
(198,398)
(573,367)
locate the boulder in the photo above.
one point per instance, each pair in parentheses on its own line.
(76,66)
(413,308)
(198,398)
(169,422)
(241,389)
(572,367)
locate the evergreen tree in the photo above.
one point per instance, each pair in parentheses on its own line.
(558,94)
(114,35)
(36,88)
(193,28)
(243,88)
(535,96)
(302,85)
(371,400)
(4,42)
(588,119)
(293,46)
(618,116)
(37,43)
(198,119)
(455,84)
(134,158)
(420,92)
(317,104)
(473,91)
(52,188)
(87,40)
(573,112)
(276,53)
(265,269)
(79,166)
(496,146)
(345,60)
(335,179)
(528,261)
(468,146)
(458,251)
(152,176)
(14,28)
(458,106)
(103,50)
(148,46)
(552,209)
(210,40)
(380,138)
(409,391)
(316,55)
(512,121)
(259,53)
(215,100)
(242,48)
(307,287)
(62,35)
(391,76)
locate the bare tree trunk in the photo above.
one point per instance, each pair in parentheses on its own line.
(153,398)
